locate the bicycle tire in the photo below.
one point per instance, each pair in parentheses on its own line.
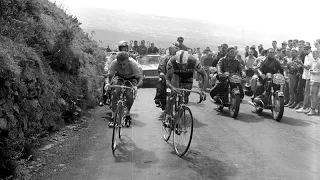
(177,131)
(116,127)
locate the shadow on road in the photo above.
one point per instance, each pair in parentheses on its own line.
(197,124)
(127,151)
(296,122)
(196,104)
(208,167)
(249,118)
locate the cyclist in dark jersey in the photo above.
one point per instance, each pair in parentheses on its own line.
(180,70)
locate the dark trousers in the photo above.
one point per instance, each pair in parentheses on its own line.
(219,89)
(300,85)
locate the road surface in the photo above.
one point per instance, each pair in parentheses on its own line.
(252,147)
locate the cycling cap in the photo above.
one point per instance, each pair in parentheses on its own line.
(123,43)
(183,57)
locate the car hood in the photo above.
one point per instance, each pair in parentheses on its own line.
(149,67)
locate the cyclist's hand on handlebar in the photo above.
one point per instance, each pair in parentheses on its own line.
(135,88)
(162,75)
(106,87)
(175,90)
(203,96)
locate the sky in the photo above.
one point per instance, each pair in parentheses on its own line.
(292,17)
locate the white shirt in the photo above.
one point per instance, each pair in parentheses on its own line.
(308,61)
(315,68)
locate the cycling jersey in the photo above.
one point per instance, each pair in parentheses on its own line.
(131,70)
(185,75)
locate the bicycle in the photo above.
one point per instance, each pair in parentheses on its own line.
(178,122)
(119,118)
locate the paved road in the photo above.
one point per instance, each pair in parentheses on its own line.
(252,147)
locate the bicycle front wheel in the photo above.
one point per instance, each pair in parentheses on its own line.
(116,128)
(183,131)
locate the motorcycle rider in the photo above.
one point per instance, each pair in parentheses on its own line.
(162,70)
(269,65)
(180,70)
(227,64)
(123,68)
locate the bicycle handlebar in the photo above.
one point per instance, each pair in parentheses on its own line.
(202,98)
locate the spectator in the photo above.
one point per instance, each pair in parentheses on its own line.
(300,83)
(260,48)
(152,49)
(287,59)
(180,44)
(295,43)
(283,45)
(135,46)
(142,49)
(246,54)
(255,66)
(292,74)
(306,77)
(255,53)
(290,43)
(108,49)
(315,81)
(274,46)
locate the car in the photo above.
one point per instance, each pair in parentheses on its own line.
(149,67)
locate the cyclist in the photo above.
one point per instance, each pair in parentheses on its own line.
(162,70)
(180,70)
(123,68)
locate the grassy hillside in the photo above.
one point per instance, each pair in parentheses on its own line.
(46,63)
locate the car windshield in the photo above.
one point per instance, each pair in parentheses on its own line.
(149,60)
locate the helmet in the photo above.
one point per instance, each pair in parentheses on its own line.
(123,44)
(183,57)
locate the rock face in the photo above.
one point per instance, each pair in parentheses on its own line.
(47,74)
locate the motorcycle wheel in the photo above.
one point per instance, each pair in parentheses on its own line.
(277,107)
(234,105)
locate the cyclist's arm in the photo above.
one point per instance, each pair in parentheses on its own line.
(162,65)
(169,74)
(112,69)
(199,68)
(137,73)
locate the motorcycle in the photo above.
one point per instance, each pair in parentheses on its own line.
(231,97)
(273,97)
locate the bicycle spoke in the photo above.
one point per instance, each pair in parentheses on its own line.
(183,130)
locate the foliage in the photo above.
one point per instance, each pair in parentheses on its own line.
(45,59)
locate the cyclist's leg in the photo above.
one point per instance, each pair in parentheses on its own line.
(114,97)
(187,86)
(171,99)
(130,99)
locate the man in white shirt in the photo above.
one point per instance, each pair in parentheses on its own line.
(308,61)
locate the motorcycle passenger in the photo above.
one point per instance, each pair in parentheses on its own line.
(269,65)
(180,70)
(162,70)
(123,68)
(227,64)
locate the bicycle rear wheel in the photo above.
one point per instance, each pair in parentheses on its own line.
(116,127)
(183,131)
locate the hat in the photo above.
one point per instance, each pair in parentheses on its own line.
(284,42)
(307,47)
(253,46)
(295,49)
(183,57)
